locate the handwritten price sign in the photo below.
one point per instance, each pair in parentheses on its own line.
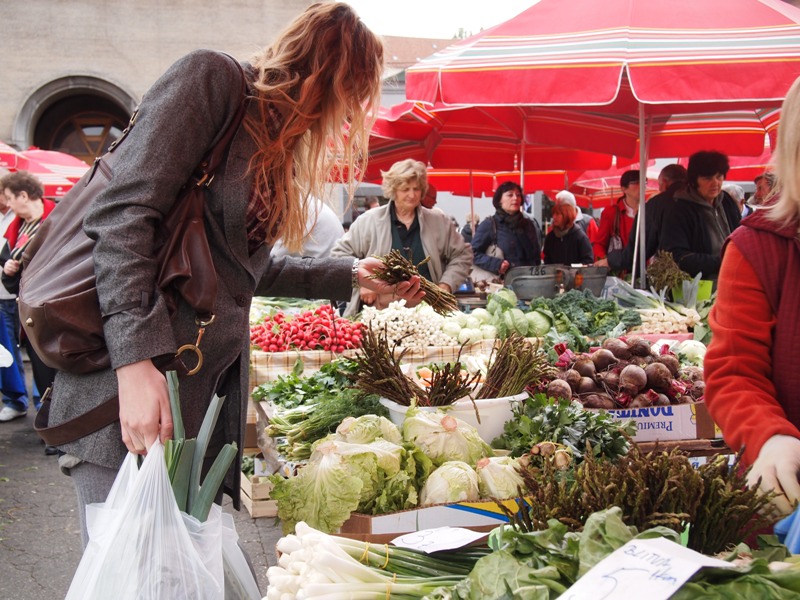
(653,569)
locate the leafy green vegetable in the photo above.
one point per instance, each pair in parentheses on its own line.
(539,323)
(443,437)
(540,419)
(341,478)
(295,389)
(541,565)
(296,429)
(454,481)
(591,316)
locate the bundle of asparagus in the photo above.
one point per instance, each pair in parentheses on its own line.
(398,268)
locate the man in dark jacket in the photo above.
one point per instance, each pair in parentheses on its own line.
(702,217)
(671,179)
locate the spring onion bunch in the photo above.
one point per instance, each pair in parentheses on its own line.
(313,564)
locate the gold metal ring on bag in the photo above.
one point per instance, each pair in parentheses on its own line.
(197,352)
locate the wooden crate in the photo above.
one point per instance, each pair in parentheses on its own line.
(255,497)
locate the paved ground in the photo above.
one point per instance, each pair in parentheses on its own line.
(39,536)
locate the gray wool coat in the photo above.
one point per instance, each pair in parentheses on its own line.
(180,118)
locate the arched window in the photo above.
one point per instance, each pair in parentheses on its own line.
(83,125)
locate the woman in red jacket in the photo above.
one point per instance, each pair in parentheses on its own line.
(616,221)
(752,379)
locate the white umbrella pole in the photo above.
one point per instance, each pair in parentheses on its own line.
(471,204)
(643,143)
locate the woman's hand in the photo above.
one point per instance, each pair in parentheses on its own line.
(777,466)
(144,411)
(504,267)
(11,267)
(445,287)
(367,297)
(405,290)
(603,262)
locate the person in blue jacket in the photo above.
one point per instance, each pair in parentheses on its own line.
(510,230)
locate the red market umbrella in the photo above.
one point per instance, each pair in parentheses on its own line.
(8,156)
(55,185)
(463,182)
(58,162)
(744,168)
(485,139)
(629,59)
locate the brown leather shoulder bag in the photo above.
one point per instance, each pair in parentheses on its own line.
(58,303)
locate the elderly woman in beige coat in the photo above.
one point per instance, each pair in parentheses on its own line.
(405,225)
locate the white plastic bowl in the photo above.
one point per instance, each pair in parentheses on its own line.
(494,413)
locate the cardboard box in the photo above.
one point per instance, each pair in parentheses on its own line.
(478,516)
(675,422)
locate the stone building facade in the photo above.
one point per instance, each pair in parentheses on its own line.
(73,70)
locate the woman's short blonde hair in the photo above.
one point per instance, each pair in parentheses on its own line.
(401,173)
(786,160)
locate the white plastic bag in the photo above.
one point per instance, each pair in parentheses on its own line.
(141,547)
(240,582)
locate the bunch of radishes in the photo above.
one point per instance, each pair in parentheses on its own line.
(626,373)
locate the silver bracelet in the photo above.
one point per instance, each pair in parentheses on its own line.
(354,273)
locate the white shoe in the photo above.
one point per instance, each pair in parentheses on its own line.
(9,414)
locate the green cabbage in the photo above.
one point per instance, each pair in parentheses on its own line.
(538,323)
(498,477)
(366,429)
(454,481)
(341,478)
(451,328)
(481,314)
(444,438)
(516,321)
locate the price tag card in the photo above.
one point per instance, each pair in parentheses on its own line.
(653,569)
(438,539)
